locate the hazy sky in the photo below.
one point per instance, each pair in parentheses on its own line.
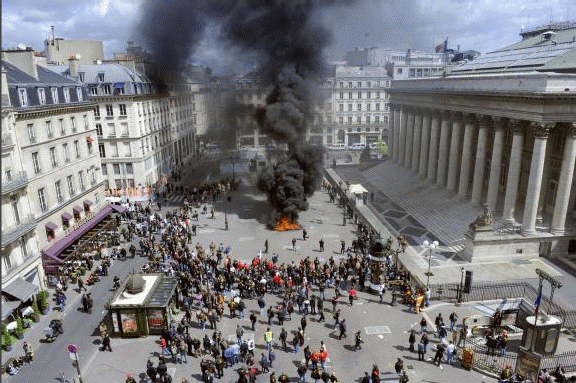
(482,25)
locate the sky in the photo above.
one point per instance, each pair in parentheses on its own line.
(481,25)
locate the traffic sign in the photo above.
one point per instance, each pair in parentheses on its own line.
(72,348)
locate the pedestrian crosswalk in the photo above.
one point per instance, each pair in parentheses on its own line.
(176,198)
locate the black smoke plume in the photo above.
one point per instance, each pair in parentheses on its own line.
(289,41)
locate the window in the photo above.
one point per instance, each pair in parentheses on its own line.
(359,84)
(122,108)
(399,71)
(31,133)
(102,150)
(58,187)
(93,90)
(101,76)
(66,94)
(99,129)
(97,111)
(36,163)
(368,84)
(341,84)
(377,94)
(368,107)
(114,149)
(386,106)
(89,144)
(7,261)
(73,124)
(93,177)
(376,119)
(412,72)
(53,157)
(377,106)
(349,107)
(42,199)
(349,84)
(127,150)
(41,96)
(15,210)
(124,129)
(359,95)
(65,152)
(104,169)
(54,95)
(386,119)
(81,178)
(341,120)
(116,168)
(350,95)
(49,129)
(129,169)
(24,248)
(106,89)
(359,119)
(341,95)
(77,148)
(359,106)
(85,118)
(367,119)
(111,130)
(368,95)
(79,93)
(23,95)
(349,120)
(70,185)
(341,107)
(81,76)
(328,119)
(109,110)
(388,82)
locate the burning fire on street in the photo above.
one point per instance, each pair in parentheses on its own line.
(284,224)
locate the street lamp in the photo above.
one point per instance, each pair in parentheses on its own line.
(460,290)
(430,246)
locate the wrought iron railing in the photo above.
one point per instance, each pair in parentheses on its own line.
(7,141)
(12,233)
(18,180)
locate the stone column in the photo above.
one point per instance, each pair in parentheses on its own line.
(454,164)
(565,182)
(409,139)
(443,152)
(541,133)
(466,156)
(433,153)
(402,146)
(391,136)
(513,171)
(480,164)
(417,140)
(396,152)
(496,165)
(424,144)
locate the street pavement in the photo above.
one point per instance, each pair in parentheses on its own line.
(384,327)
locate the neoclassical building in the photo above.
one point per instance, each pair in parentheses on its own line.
(500,130)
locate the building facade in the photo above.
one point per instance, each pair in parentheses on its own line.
(55,153)
(58,50)
(501,131)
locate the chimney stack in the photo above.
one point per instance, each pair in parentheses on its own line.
(5,93)
(73,66)
(22,59)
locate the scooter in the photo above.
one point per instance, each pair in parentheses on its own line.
(53,330)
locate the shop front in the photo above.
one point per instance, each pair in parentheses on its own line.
(142,305)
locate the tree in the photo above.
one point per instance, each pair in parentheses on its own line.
(382,148)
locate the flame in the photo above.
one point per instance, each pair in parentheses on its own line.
(284,224)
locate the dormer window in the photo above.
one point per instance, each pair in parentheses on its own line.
(42,96)
(106,89)
(93,90)
(54,95)
(101,77)
(23,95)
(81,76)
(66,94)
(79,93)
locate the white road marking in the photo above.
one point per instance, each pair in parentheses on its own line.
(243,239)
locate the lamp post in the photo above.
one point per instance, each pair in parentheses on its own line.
(460,290)
(430,246)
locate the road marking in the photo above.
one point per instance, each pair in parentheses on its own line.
(243,239)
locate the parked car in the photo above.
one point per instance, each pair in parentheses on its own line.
(338,147)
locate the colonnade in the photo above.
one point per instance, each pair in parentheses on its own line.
(438,145)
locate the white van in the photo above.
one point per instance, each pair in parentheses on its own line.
(338,147)
(357,146)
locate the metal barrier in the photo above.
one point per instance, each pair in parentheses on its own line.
(488,361)
(567,360)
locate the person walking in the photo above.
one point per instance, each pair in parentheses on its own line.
(266,246)
(253,321)
(304,234)
(283,338)
(439,321)
(294,243)
(439,353)
(412,340)
(106,343)
(424,340)
(265,364)
(342,247)
(271,357)
(351,295)
(342,329)
(268,338)
(399,365)
(302,373)
(81,285)
(303,323)
(421,351)
(423,325)
(321,243)
(450,353)
(453,319)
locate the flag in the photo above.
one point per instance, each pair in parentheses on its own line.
(537,304)
(442,47)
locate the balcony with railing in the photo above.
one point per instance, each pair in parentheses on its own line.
(7,143)
(17,181)
(11,234)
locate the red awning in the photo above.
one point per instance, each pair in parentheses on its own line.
(51,226)
(66,216)
(77,209)
(87,202)
(89,139)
